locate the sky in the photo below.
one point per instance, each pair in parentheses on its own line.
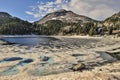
(33,10)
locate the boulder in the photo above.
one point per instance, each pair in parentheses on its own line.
(78,67)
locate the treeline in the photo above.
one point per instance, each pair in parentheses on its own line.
(55,27)
(114,24)
(15,26)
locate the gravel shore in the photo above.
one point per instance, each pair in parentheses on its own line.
(53,60)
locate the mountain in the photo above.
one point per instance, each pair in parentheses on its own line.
(113,24)
(10,25)
(4,15)
(64,16)
(114,20)
(61,22)
(65,22)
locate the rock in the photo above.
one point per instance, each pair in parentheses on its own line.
(78,67)
(64,16)
(44,58)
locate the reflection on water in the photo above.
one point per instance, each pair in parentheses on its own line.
(28,40)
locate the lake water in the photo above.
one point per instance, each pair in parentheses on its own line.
(28,40)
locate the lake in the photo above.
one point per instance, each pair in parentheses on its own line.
(28,40)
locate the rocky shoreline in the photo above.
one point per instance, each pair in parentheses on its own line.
(54,60)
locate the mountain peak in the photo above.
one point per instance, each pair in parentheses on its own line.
(4,15)
(64,16)
(61,10)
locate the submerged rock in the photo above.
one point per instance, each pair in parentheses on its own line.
(44,58)
(10,71)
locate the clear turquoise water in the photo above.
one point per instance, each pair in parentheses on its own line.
(10,71)
(14,70)
(50,61)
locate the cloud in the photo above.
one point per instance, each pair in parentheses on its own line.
(96,9)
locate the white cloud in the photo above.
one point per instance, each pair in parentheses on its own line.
(96,9)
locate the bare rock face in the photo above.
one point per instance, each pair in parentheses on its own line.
(4,15)
(64,16)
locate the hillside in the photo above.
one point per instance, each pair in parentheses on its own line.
(61,22)
(4,15)
(10,25)
(64,16)
(114,20)
(113,23)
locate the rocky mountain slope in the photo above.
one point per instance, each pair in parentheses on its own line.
(114,20)
(64,16)
(113,23)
